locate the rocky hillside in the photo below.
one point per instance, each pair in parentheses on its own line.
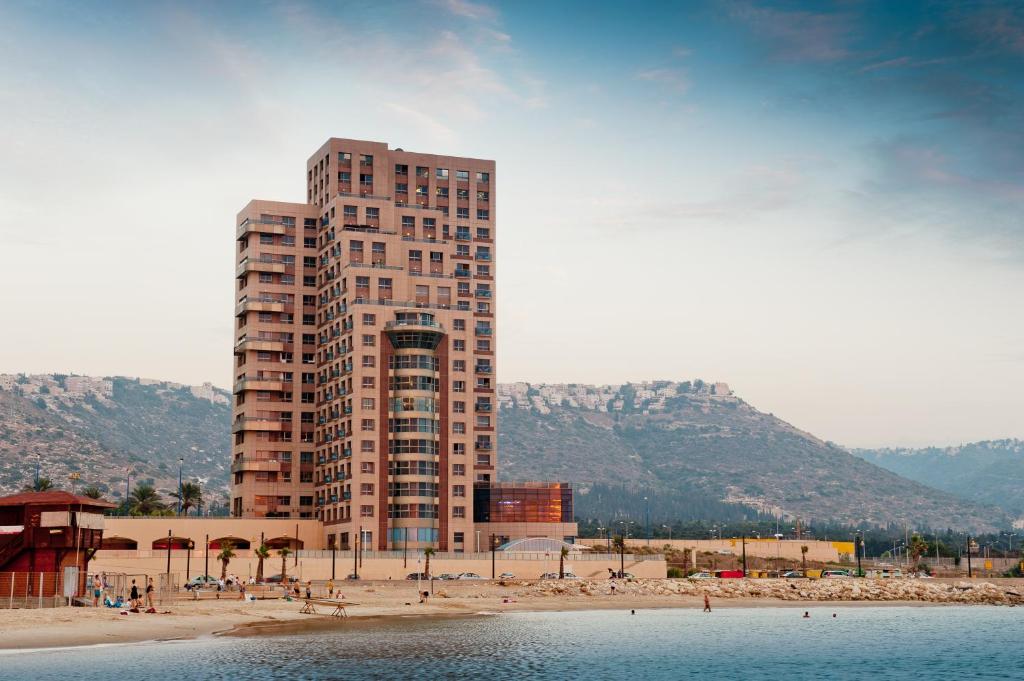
(699,441)
(99,427)
(990,472)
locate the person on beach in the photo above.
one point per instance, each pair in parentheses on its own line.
(807,615)
(133,597)
(330,588)
(707,603)
(149,593)
(97,590)
(309,589)
(241,590)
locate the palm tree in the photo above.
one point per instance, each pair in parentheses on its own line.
(191,496)
(39,485)
(227,552)
(263,553)
(428,552)
(619,543)
(561,562)
(144,500)
(284,552)
(918,547)
(93,492)
(803,558)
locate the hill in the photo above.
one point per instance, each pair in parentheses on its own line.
(697,441)
(100,427)
(989,472)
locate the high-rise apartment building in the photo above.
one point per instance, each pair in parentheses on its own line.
(365,347)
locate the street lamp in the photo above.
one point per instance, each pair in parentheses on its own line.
(647,519)
(669,528)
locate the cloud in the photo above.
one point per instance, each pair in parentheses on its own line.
(676,80)
(799,35)
(470,10)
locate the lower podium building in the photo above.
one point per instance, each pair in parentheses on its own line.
(364,357)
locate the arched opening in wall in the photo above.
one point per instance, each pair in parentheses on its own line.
(177,543)
(281,542)
(236,543)
(119,544)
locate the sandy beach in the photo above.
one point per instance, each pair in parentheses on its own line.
(185,618)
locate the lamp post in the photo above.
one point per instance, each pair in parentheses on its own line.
(37,470)
(669,528)
(647,519)
(181,461)
(127,487)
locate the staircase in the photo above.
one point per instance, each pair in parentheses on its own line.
(10,549)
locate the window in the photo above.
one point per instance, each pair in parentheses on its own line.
(345,177)
(366,511)
(459,365)
(350,212)
(462,213)
(401,169)
(483,196)
(365,179)
(422,293)
(462,175)
(344,157)
(422,171)
(266,278)
(458,511)
(436,256)
(459,428)
(366,446)
(442,173)
(368,403)
(483,214)
(458,469)
(415,256)
(458,386)
(369,319)
(483,177)
(459,324)
(378,247)
(458,490)
(442,192)
(369,340)
(369,382)
(356,247)
(459,407)
(459,448)
(458,345)
(369,361)
(366,489)
(462,194)
(401,188)
(368,425)
(366,159)
(373,213)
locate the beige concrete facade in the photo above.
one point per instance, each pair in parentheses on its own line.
(365,392)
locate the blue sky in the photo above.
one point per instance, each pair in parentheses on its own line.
(820,204)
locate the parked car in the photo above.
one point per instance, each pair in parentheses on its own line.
(701,575)
(825,574)
(446,576)
(416,575)
(202,580)
(729,574)
(273,579)
(352,577)
(793,574)
(506,575)
(554,575)
(469,575)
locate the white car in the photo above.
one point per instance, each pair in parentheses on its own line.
(470,575)
(554,575)
(506,575)
(701,575)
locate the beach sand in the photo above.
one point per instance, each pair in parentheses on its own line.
(184,618)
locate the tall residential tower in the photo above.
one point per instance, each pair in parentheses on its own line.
(365,341)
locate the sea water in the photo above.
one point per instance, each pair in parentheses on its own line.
(950,642)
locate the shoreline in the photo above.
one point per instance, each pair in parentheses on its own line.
(42,630)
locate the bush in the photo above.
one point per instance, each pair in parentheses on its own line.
(675,573)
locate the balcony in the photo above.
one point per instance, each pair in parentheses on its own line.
(483,369)
(485,407)
(264,423)
(251,225)
(264,304)
(248,463)
(484,331)
(264,343)
(483,293)
(262,384)
(278,266)
(482,446)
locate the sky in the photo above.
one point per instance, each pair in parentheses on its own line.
(819,204)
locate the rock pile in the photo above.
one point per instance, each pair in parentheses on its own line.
(965,592)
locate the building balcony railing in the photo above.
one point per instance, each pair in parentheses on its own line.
(262,384)
(260,423)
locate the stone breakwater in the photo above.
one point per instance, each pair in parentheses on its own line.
(964,592)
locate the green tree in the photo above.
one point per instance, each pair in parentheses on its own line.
(284,552)
(428,552)
(262,553)
(227,552)
(93,492)
(40,485)
(144,500)
(191,496)
(561,562)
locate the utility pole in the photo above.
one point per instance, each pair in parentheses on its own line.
(188,557)
(405,549)
(334,557)
(181,461)
(168,584)
(969,571)
(127,488)
(493,557)
(355,554)
(206,555)
(857,541)
(647,519)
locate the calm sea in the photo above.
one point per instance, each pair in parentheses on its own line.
(758,643)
